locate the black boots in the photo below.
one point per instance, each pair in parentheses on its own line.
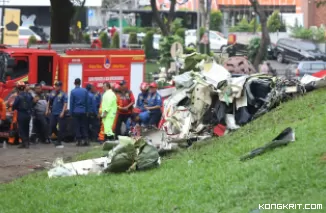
(23,145)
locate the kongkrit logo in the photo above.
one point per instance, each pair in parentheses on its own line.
(28,20)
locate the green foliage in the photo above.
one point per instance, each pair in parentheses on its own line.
(189,50)
(242,26)
(274,22)
(134,29)
(165,48)
(176,24)
(32,40)
(132,38)
(115,41)
(127,30)
(87,38)
(321,3)
(216,20)
(104,38)
(148,44)
(181,33)
(313,33)
(253,48)
(319,34)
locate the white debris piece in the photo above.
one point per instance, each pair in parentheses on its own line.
(85,167)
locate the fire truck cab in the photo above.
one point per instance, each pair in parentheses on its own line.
(94,66)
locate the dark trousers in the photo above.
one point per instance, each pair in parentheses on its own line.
(23,120)
(41,127)
(54,121)
(155,117)
(122,118)
(94,126)
(80,124)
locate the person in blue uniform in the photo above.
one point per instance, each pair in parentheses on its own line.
(153,106)
(142,97)
(23,104)
(56,108)
(79,98)
(94,101)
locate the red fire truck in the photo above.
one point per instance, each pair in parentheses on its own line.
(90,65)
(94,66)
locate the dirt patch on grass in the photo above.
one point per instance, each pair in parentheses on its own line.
(15,162)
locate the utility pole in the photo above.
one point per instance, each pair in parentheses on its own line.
(3,17)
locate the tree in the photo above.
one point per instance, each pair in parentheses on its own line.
(321,3)
(274,22)
(164,25)
(216,20)
(62,13)
(265,39)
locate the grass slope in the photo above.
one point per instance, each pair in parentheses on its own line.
(205,179)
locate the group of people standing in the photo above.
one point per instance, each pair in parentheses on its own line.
(96,116)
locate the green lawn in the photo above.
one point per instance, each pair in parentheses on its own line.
(205,179)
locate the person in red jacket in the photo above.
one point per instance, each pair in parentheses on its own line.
(126,101)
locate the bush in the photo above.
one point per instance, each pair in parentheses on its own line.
(148,44)
(87,38)
(274,22)
(181,33)
(115,41)
(253,49)
(32,40)
(127,30)
(189,50)
(132,39)
(313,33)
(242,26)
(104,38)
(176,24)
(216,20)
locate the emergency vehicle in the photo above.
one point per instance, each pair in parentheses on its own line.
(94,66)
(58,62)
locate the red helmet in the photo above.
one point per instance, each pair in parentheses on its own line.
(153,85)
(144,86)
(116,86)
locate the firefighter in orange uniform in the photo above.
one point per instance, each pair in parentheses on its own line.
(126,101)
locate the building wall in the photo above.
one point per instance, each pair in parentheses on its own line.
(313,16)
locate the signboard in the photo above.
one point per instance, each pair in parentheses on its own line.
(11,26)
(90,13)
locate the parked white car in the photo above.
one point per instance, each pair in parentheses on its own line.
(216,39)
(156,39)
(24,34)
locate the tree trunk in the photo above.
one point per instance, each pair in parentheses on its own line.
(203,14)
(78,35)
(62,11)
(265,39)
(165,27)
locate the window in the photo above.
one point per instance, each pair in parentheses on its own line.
(306,66)
(20,69)
(213,36)
(307,45)
(317,66)
(25,32)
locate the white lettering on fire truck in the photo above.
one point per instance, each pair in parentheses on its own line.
(107,78)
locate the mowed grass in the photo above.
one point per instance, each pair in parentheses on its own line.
(205,179)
